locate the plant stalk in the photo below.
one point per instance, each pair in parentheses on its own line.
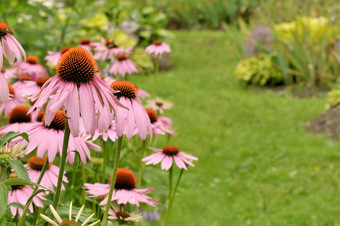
(113,180)
(62,165)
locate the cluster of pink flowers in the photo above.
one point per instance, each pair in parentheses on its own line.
(82,105)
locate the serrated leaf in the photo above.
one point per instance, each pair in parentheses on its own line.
(11,135)
(3,198)
(19,169)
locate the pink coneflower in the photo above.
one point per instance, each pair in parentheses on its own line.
(167,155)
(140,93)
(19,121)
(106,50)
(4,91)
(52,141)
(124,192)
(52,58)
(136,117)
(27,88)
(87,44)
(9,46)
(31,68)
(79,91)
(158,48)
(50,179)
(9,73)
(15,99)
(123,65)
(21,194)
(160,125)
(159,105)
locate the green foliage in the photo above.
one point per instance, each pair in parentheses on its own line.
(204,13)
(304,52)
(333,99)
(258,70)
(142,60)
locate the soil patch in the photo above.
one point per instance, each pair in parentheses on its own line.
(327,123)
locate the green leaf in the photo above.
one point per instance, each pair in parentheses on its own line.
(20,181)
(3,198)
(11,135)
(19,169)
(16,205)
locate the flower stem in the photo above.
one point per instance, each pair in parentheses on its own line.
(23,216)
(74,174)
(176,186)
(113,180)
(141,169)
(141,165)
(62,165)
(105,159)
(156,74)
(169,197)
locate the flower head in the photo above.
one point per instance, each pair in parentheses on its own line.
(134,118)
(124,192)
(123,65)
(69,221)
(9,46)
(31,68)
(20,194)
(159,105)
(158,48)
(167,155)
(19,121)
(52,143)
(79,91)
(50,179)
(160,124)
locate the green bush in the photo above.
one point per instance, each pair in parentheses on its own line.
(305,51)
(259,70)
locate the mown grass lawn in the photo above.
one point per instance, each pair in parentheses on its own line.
(257,163)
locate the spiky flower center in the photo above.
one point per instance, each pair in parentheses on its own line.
(36,163)
(58,122)
(157,42)
(32,59)
(121,57)
(40,116)
(152,115)
(15,187)
(3,25)
(64,49)
(69,223)
(4,29)
(110,44)
(126,88)
(41,80)
(125,179)
(170,150)
(11,89)
(85,41)
(3,69)
(76,65)
(19,115)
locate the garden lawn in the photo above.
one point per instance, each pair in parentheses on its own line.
(257,163)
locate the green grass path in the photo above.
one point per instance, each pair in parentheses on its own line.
(257,164)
